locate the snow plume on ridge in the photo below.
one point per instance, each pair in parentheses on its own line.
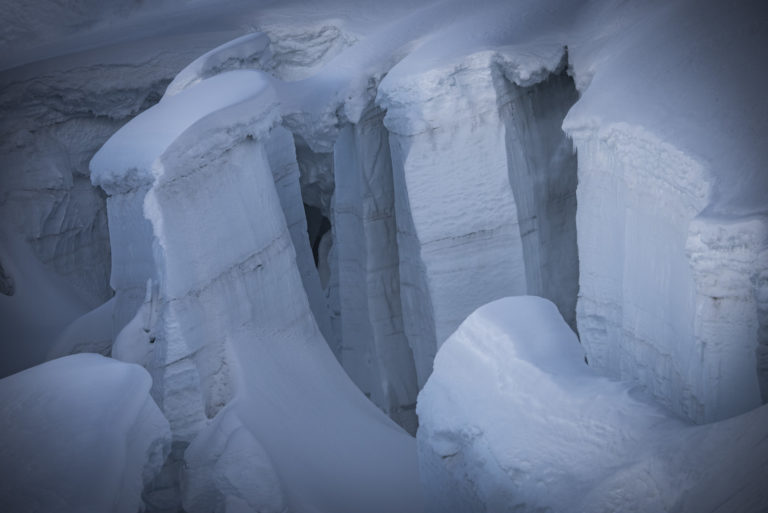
(236,341)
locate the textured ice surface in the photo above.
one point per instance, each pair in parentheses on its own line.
(375,350)
(509,229)
(513,420)
(235,338)
(79,434)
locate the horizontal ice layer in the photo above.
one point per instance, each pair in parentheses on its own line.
(238,357)
(79,434)
(513,420)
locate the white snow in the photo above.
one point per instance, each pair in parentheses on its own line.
(512,419)
(79,434)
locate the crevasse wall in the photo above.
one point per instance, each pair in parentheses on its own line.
(375,350)
(485,190)
(668,297)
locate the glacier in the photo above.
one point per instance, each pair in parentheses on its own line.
(287,213)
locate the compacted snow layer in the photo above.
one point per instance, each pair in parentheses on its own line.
(512,419)
(240,368)
(79,434)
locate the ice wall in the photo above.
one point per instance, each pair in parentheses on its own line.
(464,248)
(239,364)
(542,172)
(513,420)
(485,189)
(55,113)
(671,205)
(667,297)
(375,350)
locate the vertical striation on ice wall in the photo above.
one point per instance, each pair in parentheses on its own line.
(375,350)
(239,365)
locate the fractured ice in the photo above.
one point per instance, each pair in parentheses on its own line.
(307,202)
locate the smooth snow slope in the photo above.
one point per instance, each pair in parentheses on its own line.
(513,420)
(77,435)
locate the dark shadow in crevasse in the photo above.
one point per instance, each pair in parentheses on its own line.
(317,226)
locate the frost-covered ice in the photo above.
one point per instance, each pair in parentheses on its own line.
(513,420)
(79,434)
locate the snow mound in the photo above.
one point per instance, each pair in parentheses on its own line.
(512,419)
(79,434)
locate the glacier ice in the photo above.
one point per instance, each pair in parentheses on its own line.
(235,338)
(604,155)
(513,420)
(79,433)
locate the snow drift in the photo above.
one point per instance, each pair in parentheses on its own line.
(79,434)
(512,419)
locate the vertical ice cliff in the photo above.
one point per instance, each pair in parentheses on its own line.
(236,355)
(459,241)
(668,296)
(485,195)
(55,114)
(542,172)
(375,348)
(671,211)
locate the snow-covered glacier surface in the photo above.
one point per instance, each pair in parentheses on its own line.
(306,200)
(512,419)
(79,433)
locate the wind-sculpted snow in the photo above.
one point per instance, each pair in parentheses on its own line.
(513,420)
(234,337)
(79,434)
